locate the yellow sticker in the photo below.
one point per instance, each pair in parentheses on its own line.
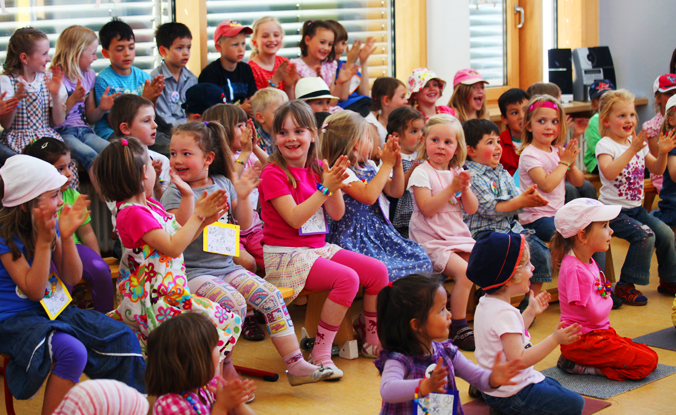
(221,238)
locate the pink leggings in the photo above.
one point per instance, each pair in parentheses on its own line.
(343,273)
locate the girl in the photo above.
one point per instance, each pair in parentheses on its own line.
(500,265)
(269,69)
(185,375)
(365,228)
(416,306)
(664,88)
(424,90)
(469,98)
(75,53)
(152,282)
(388,94)
(37,253)
(622,158)
(584,294)
(94,269)
(439,186)
(667,207)
(296,192)
(201,159)
(41,97)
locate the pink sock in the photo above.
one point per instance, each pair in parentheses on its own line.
(323,343)
(371,328)
(296,365)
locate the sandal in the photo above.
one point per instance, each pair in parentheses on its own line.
(251,330)
(463,338)
(370,351)
(630,295)
(359,325)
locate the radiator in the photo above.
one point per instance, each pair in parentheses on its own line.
(100,218)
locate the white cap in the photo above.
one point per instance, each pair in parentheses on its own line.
(670,103)
(312,88)
(28,177)
(577,214)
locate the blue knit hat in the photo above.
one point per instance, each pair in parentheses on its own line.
(494,259)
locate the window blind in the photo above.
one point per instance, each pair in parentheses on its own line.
(361,18)
(488,39)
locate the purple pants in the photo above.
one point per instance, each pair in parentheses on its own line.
(69,356)
(97,273)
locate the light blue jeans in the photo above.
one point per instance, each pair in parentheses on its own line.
(84,144)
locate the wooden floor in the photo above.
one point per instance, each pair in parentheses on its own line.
(358,391)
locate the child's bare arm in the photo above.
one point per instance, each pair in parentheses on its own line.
(666,144)
(470,203)
(429,205)
(366,50)
(94,113)
(53,84)
(66,257)
(512,343)
(88,238)
(368,193)
(611,168)
(153,89)
(671,162)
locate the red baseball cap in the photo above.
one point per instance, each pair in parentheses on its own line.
(229,28)
(666,82)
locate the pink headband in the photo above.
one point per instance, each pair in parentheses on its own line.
(545,104)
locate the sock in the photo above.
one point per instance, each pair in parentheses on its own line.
(296,365)
(323,343)
(371,328)
(458,324)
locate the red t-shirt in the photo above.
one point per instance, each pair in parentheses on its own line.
(262,76)
(509,159)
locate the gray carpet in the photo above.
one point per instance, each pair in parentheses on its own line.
(602,387)
(664,339)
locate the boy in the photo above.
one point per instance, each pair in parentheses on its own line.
(229,72)
(596,90)
(173,42)
(512,105)
(118,44)
(264,103)
(500,201)
(200,97)
(316,93)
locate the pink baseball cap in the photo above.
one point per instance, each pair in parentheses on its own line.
(467,77)
(577,214)
(229,28)
(666,82)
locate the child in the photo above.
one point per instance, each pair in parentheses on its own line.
(316,93)
(388,94)
(543,162)
(512,104)
(406,125)
(103,397)
(666,211)
(119,45)
(152,281)
(185,375)
(75,53)
(591,133)
(500,265)
(499,199)
(294,203)
(41,98)
(174,41)
(200,97)
(581,230)
(439,186)
(358,99)
(37,252)
(469,99)
(94,269)
(424,90)
(270,69)
(622,158)
(664,88)
(365,228)
(416,306)
(264,103)
(229,72)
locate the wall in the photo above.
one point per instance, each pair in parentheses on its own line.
(641,37)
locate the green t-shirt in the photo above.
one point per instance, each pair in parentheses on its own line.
(69,196)
(592,136)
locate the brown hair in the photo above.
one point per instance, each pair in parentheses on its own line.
(527,136)
(180,354)
(460,101)
(69,47)
(559,246)
(383,86)
(302,115)
(228,116)
(666,127)
(22,41)
(17,222)
(544,88)
(343,131)
(125,108)
(210,138)
(119,169)
(310,28)
(339,30)
(459,158)
(608,100)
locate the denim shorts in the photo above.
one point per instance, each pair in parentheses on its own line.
(84,144)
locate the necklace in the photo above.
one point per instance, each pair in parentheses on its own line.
(601,286)
(192,402)
(51,286)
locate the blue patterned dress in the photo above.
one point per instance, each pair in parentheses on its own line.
(365,230)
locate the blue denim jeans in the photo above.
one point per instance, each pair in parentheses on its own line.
(645,233)
(5,153)
(586,190)
(83,143)
(545,398)
(539,257)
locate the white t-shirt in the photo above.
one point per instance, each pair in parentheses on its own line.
(626,189)
(492,319)
(382,131)
(532,157)
(31,87)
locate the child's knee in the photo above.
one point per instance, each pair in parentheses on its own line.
(70,356)
(347,285)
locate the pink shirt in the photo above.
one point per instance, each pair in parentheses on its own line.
(532,157)
(135,221)
(274,184)
(327,70)
(580,303)
(175,404)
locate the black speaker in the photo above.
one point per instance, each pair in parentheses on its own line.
(561,71)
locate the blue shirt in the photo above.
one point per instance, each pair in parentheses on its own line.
(129,84)
(667,203)
(353,97)
(11,300)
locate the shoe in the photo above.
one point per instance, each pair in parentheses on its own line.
(667,288)
(260,317)
(630,295)
(463,338)
(252,396)
(336,372)
(569,366)
(370,351)
(475,393)
(617,301)
(323,373)
(251,330)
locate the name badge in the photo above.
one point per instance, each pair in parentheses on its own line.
(56,297)
(221,238)
(316,225)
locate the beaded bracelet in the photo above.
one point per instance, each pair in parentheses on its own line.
(199,216)
(239,161)
(325,190)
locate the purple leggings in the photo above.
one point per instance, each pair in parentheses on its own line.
(69,356)
(97,273)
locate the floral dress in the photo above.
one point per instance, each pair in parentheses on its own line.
(153,288)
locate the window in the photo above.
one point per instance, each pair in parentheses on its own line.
(488,40)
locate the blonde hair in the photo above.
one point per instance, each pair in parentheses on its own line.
(22,41)
(256,26)
(527,136)
(69,47)
(666,127)
(266,96)
(608,101)
(460,102)
(344,129)
(460,152)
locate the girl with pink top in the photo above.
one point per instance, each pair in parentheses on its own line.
(424,90)
(269,69)
(296,193)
